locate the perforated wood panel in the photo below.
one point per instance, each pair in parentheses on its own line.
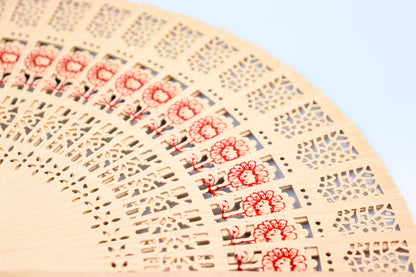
(135,140)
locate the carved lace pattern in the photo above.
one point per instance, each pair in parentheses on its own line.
(142,30)
(68,15)
(326,150)
(28,12)
(211,56)
(180,38)
(273,94)
(382,256)
(106,22)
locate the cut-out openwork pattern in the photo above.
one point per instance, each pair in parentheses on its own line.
(211,56)
(27,13)
(244,73)
(175,222)
(28,121)
(133,139)
(107,21)
(142,30)
(2,5)
(53,124)
(68,14)
(183,263)
(180,38)
(75,132)
(9,109)
(327,150)
(349,185)
(382,256)
(367,219)
(185,242)
(272,95)
(306,118)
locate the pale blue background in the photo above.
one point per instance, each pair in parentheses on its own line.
(360,53)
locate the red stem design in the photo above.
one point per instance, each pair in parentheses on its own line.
(202,165)
(166,127)
(111,106)
(182,146)
(3,71)
(139,114)
(61,85)
(212,191)
(88,92)
(239,263)
(176,148)
(158,133)
(31,80)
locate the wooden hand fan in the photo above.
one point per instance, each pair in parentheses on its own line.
(133,139)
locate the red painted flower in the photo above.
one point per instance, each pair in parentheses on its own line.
(184,110)
(240,259)
(274,231)
(159,93)
(262,202)
(49,84)
(103,99)
(284,259)
(76,91)
(19,81)
(40,59)
(206,128)
(247,174)
(173,140)
(71,65)
(9,55)
(227,150)
(102,72)
(129,109)
(131,81)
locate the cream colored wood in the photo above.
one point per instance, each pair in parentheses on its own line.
(134,139)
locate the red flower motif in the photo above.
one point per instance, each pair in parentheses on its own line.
(19,81)
(71,65)
(76,91)
(129,109)
(227,150)
(241,258)
(40,59)
(224,206)
(184,110)
(262,202)
(193,159)
(159,93)
(9,55)
(153,124)
(131,81)
(247,174)
(50,84)
(102,72)
(206,128)
(103,99)
(274,231)
(284,259)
